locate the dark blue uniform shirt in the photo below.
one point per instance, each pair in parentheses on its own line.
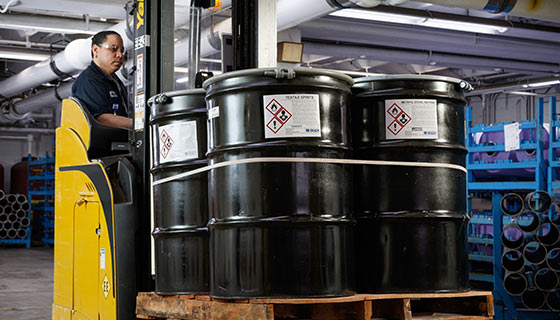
(100,92)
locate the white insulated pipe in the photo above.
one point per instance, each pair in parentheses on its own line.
(75,58)
(289,12)
(44,98)
(72,60)
(544,10)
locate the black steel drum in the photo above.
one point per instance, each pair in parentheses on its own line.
(281,229)
(178,121)
(411,221)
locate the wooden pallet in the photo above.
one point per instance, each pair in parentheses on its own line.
(450,306)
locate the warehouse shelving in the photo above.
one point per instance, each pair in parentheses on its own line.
(538,182)
(41,196)
(492,189)
(26,241)
(553,148)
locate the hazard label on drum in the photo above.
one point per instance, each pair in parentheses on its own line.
(411,119)
(290,116)
(178,141)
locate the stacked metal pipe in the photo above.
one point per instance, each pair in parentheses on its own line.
(14,218)
(531,254)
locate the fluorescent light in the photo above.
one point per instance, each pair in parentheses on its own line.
(23,56)
(419,21)
(523,93)
(181,70)
(181,80)
(541,84)
(464,26)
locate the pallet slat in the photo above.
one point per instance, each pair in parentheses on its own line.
(409,306)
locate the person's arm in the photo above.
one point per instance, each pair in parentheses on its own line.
(108,119)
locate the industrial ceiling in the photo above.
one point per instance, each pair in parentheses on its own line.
(513,47)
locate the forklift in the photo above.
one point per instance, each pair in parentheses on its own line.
(103,255)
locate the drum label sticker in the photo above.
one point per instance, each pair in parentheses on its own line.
(411,119)
(290,116)
(178,142)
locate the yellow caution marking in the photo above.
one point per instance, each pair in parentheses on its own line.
(534,5)
(217,6)
(106,286)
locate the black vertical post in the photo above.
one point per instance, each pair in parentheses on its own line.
(244,26)
(141,83)
(162,41)
(154,61)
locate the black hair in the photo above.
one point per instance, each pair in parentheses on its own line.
(100,37)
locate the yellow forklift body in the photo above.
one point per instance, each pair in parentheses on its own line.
(84,270)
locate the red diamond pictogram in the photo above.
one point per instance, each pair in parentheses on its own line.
(163,136)
(274,107)
(164,152)
(274,124)
(403,118)
(168,142)
(395,127)
(283,115)
(394,110)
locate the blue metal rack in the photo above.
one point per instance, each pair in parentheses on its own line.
(27,240)
(41,196)
(539,181)
(506,306)
(553,160)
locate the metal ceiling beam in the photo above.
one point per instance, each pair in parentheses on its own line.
(428,39)
(26,44)
(409,56)
(27,130)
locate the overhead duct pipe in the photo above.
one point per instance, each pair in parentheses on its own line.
(290,13)
(544,10)
(72,60)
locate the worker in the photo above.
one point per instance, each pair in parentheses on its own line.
(98,87)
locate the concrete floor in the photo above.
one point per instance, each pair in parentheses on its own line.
(26,283)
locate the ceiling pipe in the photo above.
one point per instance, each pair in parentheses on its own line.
(20,109)
(290,13)
(544,10)
(72,60)
(7,7)
(511,86)
(45,98)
